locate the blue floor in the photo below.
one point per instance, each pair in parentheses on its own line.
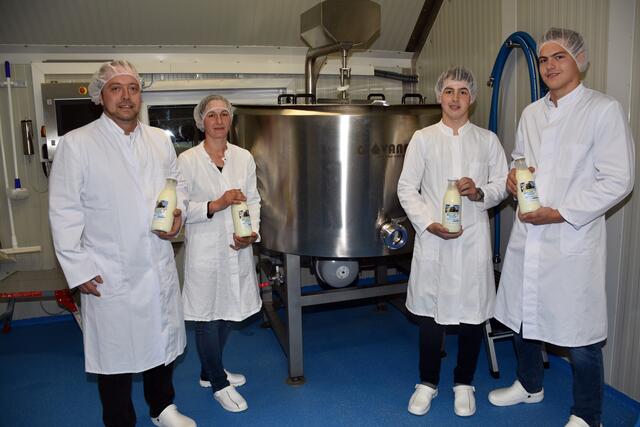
(360,367)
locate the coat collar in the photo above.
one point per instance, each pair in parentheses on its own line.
(449,132)
(203,153)
(567,100)
(113,127)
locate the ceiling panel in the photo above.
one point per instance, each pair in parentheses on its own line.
(183,22)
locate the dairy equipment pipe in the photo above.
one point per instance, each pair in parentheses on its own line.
(336,25)
(311,72)
(525,42)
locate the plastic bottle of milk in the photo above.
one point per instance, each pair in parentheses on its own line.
(241,219)
(527,194)
(166,204)
(452,207)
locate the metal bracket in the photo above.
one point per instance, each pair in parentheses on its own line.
(15,83)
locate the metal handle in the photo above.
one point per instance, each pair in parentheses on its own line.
(376,95)
(7,69)
(305,96)
(412,95)
(289,98)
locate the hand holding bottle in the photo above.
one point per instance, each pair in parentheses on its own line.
(230,197)
(467,187)
(442,231)
(175,227)
(243,242)
(541,216)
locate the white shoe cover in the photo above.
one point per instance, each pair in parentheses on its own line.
(465,402)
(170,417)
(575,421)
(420,401)
(235,380)
(513,395)
(230,399)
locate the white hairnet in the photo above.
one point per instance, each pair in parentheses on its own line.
(107,71)
(201,109)
(458,74)
(569,40)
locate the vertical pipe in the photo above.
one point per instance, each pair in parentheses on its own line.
(310,79)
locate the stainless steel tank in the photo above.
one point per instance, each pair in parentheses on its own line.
(327,175)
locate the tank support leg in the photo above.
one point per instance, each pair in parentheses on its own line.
(294,319)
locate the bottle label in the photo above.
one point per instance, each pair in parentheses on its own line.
(245,219)
(528,190)
(161,210)
(451,214)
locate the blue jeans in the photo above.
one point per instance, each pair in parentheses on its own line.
(588,375)
(211,337)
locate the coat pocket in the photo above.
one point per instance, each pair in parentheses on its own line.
(579,242)
(427,246)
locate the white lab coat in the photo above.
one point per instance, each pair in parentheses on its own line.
(452,280)
(219,282)
(553,278)
(102,195)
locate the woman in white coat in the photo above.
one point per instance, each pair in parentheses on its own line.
(220,283)
(451,280)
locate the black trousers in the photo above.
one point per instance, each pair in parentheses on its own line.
(431,336)
(115,395)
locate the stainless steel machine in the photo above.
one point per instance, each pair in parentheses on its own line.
(327,175)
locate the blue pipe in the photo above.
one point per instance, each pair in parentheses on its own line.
(524,41)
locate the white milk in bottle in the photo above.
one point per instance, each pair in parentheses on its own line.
(452,208)
(527,193)
(166,204)
(241,219)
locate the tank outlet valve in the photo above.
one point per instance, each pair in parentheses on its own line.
(394,235)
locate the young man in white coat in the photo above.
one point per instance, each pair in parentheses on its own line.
(552,287)
(104,183)
(451,280)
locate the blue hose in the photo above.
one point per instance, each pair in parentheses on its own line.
(525,42)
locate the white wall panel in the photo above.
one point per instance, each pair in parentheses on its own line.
(626,363)
(466,32)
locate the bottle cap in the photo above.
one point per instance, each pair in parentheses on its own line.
(452,178)
(517,156)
